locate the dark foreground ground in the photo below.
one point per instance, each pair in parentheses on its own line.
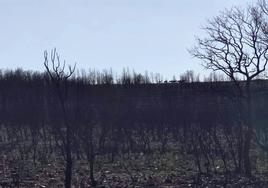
(137,170)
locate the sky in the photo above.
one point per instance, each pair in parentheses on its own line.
(144,35)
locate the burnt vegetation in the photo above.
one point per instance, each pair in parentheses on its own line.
(87,128)
(65,128)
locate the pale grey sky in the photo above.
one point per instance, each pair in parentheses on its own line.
(151,35)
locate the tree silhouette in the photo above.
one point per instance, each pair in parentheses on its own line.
(59,78)
(236,44)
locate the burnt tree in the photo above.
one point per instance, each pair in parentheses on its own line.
(59,77)
(236,44)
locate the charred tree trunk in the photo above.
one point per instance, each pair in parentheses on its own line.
(69,164)
(249,131)
(91,163)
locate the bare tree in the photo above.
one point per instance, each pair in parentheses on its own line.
(59,78)
(236,44)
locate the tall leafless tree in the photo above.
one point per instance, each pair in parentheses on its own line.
(59,78)
(236,44)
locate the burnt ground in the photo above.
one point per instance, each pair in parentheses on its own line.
(135,170)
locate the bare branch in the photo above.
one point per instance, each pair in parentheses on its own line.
(57,71)
(236,43)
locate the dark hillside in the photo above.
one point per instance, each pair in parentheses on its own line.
(117,132)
